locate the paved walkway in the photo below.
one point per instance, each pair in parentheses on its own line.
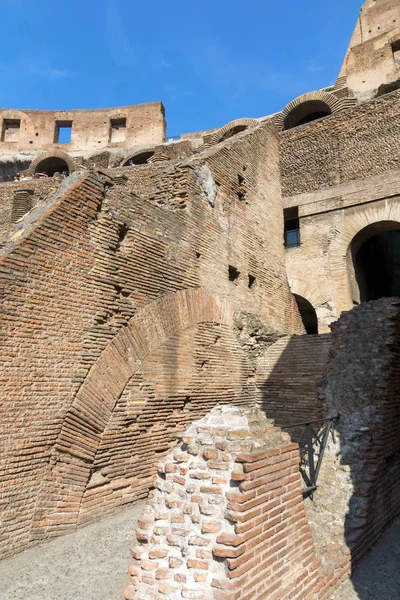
(377,577)
(90,564)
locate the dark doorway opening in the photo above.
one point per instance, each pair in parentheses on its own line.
(308,315)
(52,165)
(139,159)
(377,266)
(308,111)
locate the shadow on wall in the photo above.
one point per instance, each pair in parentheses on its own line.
(356,372)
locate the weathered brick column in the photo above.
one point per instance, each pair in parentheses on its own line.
(226,520)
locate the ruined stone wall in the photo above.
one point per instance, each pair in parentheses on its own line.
(288,375)
(118,327)
(359,484)
(226,519)
(41,188)
(355,144)
(370,60)
(33,130)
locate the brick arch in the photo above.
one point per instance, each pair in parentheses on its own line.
(52,154)
(136,154)
(334,104)
(228,130)
(308,291)
(322,305)
(69,469)
(386,211)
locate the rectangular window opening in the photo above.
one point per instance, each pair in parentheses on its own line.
(117,130)
(63,132)
(396,53)
(10,130)
(292,227)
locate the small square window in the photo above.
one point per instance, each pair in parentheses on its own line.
(63,132)
(10,130)
(117,130)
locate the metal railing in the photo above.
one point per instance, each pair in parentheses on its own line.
(312,444)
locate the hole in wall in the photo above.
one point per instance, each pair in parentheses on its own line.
(252,281)
(233,273)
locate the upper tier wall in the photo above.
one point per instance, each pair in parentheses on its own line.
(355,144)
(36,130)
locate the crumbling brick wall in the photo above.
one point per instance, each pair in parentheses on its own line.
(226,520)
(41,189)
(359,486)
(118,312)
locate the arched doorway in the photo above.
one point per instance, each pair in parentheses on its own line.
(375,262)
(308,315)
(139,159)
(52,165)
(308,111)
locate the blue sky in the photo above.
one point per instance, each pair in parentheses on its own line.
(209,61)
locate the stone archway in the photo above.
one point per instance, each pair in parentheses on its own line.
(339,264)
(71,460)
(374,262)
(52,161)
(324,307)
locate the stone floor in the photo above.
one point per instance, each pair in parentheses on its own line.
(377,577)
(90,564)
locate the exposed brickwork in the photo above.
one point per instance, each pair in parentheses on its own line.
(341,148)
(114,288)
(227,502)
(288,375)
(360,479)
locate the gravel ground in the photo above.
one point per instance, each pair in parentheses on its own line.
(377,577)
(90,564)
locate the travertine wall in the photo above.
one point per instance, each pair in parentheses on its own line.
(91,129)
(370,61)
(342,174)
(118,326)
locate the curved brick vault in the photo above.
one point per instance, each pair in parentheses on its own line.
(70,465)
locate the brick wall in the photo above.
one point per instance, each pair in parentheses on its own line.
(288,375)
(226,520)
(113,288)
(355,144)
(41,189)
